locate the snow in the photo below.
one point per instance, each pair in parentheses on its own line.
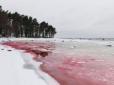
(13,72)
(18,68)
(34,65)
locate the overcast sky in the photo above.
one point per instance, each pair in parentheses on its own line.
(72,18)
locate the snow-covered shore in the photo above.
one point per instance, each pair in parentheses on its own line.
(18,68)
(12,71)
(100,50)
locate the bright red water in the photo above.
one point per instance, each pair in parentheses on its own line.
(67,69)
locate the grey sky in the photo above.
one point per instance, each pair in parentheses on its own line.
(72,18)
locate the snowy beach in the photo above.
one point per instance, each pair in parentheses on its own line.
(67,61)
(57,42)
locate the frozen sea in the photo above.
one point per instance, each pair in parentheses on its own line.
(79,59)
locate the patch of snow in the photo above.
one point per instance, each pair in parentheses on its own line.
(12,71)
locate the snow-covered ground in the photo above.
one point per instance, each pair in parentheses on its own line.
(12,70)
(18,68)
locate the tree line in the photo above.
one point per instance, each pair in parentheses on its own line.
(17,25)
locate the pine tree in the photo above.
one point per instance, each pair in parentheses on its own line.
(17,25)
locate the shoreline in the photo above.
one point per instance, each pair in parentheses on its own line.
(68,69)
(37,68)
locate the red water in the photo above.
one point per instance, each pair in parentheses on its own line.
(68,69)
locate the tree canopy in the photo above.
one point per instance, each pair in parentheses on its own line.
(17,25)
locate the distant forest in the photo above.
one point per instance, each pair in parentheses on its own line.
(17,25)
